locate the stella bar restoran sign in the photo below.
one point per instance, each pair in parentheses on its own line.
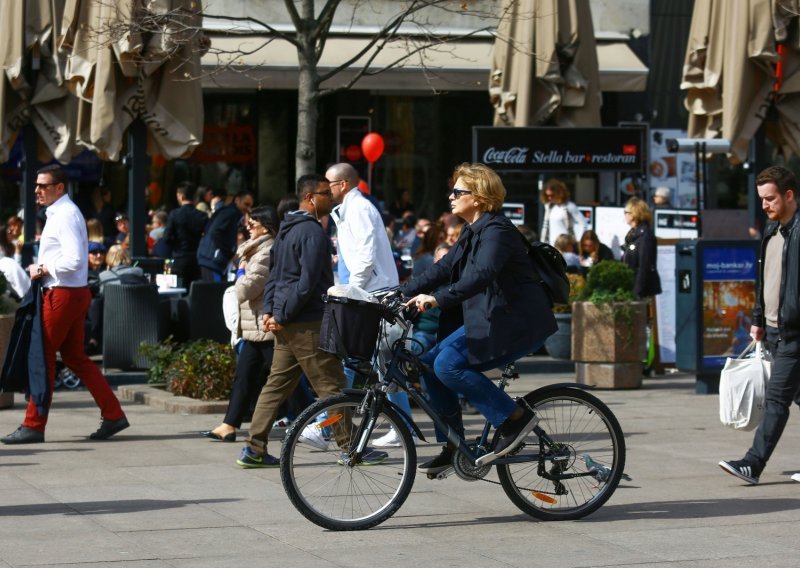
(555,149)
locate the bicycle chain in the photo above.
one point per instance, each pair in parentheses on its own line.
(516,450)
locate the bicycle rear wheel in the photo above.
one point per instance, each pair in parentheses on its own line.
(588,440)
(330,485)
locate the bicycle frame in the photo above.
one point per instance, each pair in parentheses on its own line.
(395,375)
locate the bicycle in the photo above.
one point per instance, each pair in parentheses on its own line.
(567,467)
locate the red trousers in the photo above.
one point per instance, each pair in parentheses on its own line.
(63,314)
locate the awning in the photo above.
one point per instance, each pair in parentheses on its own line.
(620,69)
(239,63)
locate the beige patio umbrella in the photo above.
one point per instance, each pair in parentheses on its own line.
(544,65)
(729,71)
(129,62)
(28,49)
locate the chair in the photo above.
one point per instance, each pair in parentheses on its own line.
(200,313)
(131,315)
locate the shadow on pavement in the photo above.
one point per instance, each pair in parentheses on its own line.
(691,509)
(102,507)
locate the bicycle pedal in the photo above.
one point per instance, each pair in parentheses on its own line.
(442,474)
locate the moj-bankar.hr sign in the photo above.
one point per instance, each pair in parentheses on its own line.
(553,149)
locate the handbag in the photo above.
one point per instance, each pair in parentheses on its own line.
(742,388)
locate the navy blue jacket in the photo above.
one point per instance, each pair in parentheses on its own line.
(218,244)
(24,369)
(300,270)
(504,309)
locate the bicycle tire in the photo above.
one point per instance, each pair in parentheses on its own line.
(586,427)
(335,494)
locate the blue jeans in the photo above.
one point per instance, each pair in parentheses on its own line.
(455,376)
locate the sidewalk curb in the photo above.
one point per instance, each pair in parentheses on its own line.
(163,400)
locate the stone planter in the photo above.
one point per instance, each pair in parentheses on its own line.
(608,344)
(559,345)
(6,324)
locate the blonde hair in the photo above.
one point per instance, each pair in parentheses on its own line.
(640,212)
(565,243)
(484,183)
(559,189)
(117,256)
(94,228)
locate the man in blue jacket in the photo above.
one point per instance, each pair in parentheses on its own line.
(219,240)
(300,273)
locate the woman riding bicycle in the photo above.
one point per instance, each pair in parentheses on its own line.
(504,314)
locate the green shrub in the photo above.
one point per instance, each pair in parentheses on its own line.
(202,369)
(161,356)
(609,281)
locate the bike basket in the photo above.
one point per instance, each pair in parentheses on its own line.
(349,327)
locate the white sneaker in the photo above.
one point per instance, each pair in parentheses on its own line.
(312,435)
(391,440)
(282,422)
(796,477)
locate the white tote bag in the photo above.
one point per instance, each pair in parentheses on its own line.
(742,389)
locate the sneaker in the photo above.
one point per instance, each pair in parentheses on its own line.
(23,435)
(369,457)
(282,422)
(314,436)
(438,464)
(512,432)
(108,428)
(742,469)
(391,440)
(250,459)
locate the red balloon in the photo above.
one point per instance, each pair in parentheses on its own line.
(362,185)
(372,146)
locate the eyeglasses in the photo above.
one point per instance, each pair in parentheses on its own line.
(45,185)
(456,192)
(626,212)
(253,222)
(326,193)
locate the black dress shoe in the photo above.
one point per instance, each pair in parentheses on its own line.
(108,428)
(24,435)
(214,436)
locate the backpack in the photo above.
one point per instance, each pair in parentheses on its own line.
(551,268)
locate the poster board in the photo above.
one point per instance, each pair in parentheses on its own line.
(666,301)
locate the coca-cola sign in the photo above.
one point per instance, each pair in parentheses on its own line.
(551,149)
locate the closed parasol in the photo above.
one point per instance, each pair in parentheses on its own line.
(544,65)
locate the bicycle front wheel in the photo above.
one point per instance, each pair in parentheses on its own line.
(332,484)
(589,448)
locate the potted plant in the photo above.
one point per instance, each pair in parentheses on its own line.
(609,329)
(7,308)
(559,345)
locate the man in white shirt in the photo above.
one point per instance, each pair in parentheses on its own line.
(361,239)
(63,269)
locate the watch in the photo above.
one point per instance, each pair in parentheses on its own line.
(39,270)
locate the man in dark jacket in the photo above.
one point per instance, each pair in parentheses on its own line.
(776,317)
(219,240)
(182,235)
(300,273)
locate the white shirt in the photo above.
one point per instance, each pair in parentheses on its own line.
(64,246)
(17,278)
(559,216)
(362,241)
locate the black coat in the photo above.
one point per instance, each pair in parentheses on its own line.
(789,309)
(299,270)
(503,307)
(184,228)
(24,369)
(639,253)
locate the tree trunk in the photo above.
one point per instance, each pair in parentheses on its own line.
(307,117)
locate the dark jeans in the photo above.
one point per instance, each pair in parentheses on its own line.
(455,376)
(782,389)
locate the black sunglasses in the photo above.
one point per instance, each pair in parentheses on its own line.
(455,192)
